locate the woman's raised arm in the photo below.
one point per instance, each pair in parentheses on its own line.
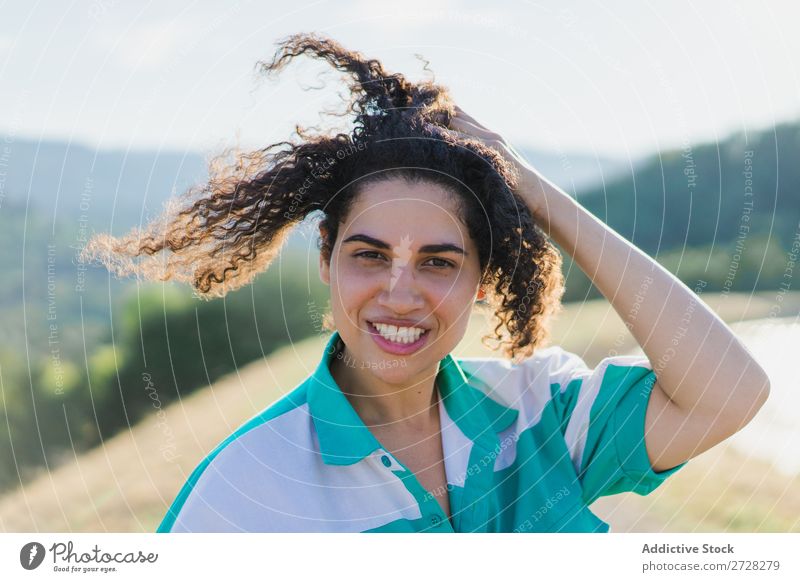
(708,384)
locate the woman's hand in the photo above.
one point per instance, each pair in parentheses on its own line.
(530,185)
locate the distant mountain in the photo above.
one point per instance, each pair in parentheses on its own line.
(575,172)
(708,194)
(68,180)
(726,214)
(114,190)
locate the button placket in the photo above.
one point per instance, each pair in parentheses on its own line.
(430,510)
(478,486)
(432,513)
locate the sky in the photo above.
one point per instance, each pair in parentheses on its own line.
(611,78)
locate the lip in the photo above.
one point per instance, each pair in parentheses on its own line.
(396,348)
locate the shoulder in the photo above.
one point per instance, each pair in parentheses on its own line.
(508,381)
(278,419)
(240,466)
(554,378)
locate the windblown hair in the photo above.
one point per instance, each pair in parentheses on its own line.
(232,227)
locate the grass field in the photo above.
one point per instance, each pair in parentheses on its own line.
(126,484)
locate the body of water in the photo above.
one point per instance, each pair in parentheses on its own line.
(774,434)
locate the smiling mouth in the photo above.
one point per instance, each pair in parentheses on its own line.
(398,335)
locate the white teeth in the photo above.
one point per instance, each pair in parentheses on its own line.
(403,335)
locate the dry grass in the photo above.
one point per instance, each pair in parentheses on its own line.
(127,484)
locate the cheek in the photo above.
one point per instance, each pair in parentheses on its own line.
(443,291)
(461,287)
(459,297)
(449,297)
(351,287)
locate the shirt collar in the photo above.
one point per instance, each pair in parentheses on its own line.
(343,437)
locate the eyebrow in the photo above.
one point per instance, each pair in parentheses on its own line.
(434,248)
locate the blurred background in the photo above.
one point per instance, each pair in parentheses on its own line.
(678,125)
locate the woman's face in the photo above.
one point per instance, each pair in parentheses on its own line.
(402,258)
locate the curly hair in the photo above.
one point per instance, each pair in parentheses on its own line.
(232,227)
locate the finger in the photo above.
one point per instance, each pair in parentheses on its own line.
(477,129)
(462,134)
(492,143)
(465,117)
(464,125)
(470,131)
(469,119)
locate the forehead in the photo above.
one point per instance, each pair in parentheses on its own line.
(397,207)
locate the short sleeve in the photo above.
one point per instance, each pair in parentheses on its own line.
(605,424)
(201,502)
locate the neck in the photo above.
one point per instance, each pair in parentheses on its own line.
(414,403)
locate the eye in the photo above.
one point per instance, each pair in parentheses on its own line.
(443,264)
(370,255)
(376,256)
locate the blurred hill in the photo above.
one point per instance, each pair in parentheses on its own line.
(726,213)
(113,189)
(706,195)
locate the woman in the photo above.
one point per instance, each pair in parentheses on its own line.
(425,212)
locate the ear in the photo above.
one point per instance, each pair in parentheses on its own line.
(324,266)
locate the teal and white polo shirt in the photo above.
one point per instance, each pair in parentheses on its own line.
(527,447)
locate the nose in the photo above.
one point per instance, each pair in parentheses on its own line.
(401,293)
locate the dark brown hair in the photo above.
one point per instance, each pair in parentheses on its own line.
(232,227)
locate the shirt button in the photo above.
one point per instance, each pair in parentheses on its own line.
(436,520)
(386,462)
